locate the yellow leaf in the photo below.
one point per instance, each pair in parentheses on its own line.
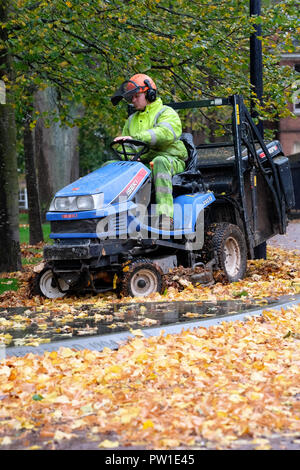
(87,409)
(127,414)
(148,424)
(26,424)
(66,352)
(261,444)
(270,355)
(59,435)
(6,441)
(258,377)
(141,358)
(108,444)
(236,398)
(113,370)
(169,442)
(255,396)
(137,332)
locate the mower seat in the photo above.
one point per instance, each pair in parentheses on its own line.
(190,180)
(192,160)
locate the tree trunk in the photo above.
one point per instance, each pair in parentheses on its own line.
(34,215)
(57,153)
(10,256)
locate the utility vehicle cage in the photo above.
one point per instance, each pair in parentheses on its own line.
(276,174)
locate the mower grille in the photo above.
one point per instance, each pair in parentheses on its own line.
(114,223)
(74,226)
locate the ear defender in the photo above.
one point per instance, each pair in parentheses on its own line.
(150,93)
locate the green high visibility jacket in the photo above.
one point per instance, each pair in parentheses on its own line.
(160,127)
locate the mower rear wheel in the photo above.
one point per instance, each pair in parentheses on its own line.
(228,243)
(142,278)
(46,285)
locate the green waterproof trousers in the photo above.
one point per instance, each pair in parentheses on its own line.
(163,168)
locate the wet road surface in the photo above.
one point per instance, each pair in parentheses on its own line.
(96,328)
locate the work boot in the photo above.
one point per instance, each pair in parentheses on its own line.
(166,223)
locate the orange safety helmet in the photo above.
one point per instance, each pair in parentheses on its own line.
(138,83)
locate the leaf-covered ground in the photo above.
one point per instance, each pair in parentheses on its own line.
(41,320)
(277,276)
(221,387)
(226,386)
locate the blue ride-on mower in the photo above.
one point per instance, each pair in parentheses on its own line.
(106,233)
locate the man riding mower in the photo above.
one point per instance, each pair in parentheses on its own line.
(160,127)
(102,224)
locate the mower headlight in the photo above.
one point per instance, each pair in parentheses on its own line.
(64,204)
(85,203)
(77,203)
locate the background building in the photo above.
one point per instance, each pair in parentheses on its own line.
(289,128)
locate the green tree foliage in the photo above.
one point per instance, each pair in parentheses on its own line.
(192,48)
(85,48)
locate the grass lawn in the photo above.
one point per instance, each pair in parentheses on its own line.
(8,284)
(24,229)
(34,255)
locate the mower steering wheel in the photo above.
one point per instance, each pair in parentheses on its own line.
(129,149)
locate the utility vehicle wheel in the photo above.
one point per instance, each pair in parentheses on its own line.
(142,278)
(228,243)
(46,285)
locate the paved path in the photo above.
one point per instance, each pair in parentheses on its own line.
(237,310)
(289,241)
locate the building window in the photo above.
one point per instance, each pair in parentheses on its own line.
(23,200)
(297,106)
(296,95)
(296,148)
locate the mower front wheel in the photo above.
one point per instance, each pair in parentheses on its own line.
(47,286)
(141,279)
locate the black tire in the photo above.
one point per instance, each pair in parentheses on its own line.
(226,242)
(45,285)
(141,279)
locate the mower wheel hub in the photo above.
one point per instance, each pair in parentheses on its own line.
(143,282)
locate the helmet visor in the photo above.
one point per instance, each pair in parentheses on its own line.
(127,90)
